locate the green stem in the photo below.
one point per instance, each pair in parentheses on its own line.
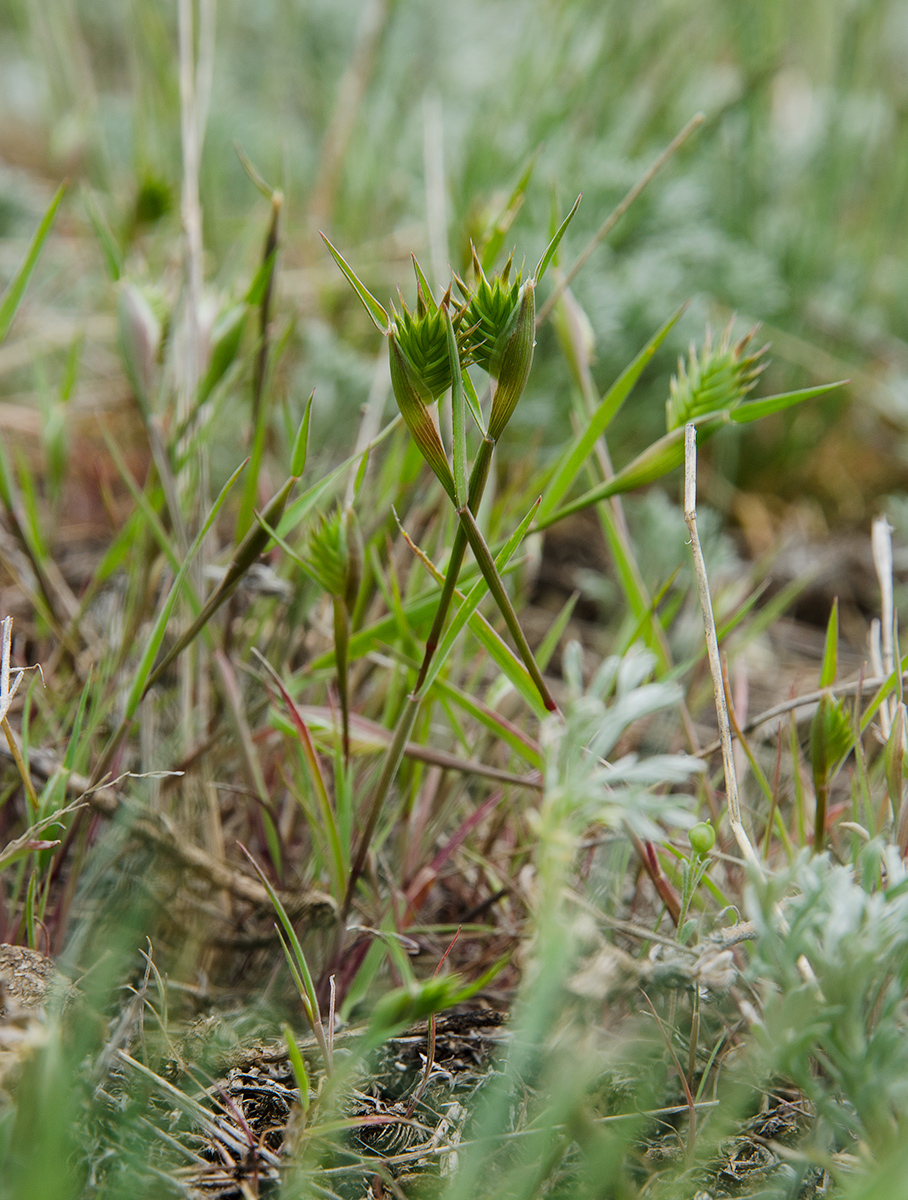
(478,478)
(819,824)
(395,753)
(486,564)
(341,654)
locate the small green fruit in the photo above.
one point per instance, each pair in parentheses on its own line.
(702,838)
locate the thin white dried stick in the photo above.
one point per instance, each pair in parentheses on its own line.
(196,67)
(191,212)
(881,544)
(7,692)
(712,647)
(7,636)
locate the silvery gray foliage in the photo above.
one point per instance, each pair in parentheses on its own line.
(581,784)
(831,966)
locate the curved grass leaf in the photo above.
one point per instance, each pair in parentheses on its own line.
(10,299)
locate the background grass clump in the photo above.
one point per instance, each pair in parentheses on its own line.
(364,830)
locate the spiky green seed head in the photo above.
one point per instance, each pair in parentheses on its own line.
(490,311)
(831,737)
(514,355)
(714,379)
(334,554)
(424,341)
(422,336)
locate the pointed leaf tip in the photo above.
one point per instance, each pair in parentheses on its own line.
(369,303)
(301,445)
(543,264)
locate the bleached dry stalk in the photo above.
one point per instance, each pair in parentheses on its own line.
(712,648)
(196,61)
(7,691)
(191,212)
(883,633)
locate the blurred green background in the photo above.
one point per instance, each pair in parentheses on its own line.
(379,117)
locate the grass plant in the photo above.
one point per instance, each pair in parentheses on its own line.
(330,863)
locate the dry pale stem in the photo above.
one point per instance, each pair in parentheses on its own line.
(712,647)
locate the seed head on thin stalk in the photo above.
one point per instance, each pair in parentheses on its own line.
(712,647)
(715,377)
(334,559)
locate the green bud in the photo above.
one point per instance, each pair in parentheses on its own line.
(301,442)
(831,738)
(413,398)
(500,323)
(702,838)
(714,380)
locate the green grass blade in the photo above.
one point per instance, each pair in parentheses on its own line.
(499,593)
(329,830)
(458,417)
(549,643)
(571,461)
(143,672)
(497,649)
(651,464)
(755,409)
(304,504)
(543,265)
(473,598)
(831,650)
(113,255)
(15,289)
(370,304)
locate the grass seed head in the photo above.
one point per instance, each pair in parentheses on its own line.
(334,554)
(490,314)
(715,378)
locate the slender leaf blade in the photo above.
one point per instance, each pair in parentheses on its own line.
(755,409)
(543,265)
(572,459)
(370,304)
(15,289)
